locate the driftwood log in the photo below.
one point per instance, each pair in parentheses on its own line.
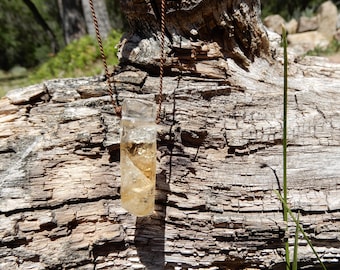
(219,159)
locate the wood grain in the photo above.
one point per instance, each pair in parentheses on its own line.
(219,164)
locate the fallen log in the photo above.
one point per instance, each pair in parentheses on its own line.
(219,164)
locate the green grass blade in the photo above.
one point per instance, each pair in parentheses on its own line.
(284,140)
(296,245)
(305,236)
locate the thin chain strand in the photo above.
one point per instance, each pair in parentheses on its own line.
(107,75)
(162,60)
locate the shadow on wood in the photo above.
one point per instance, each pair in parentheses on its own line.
(150,231)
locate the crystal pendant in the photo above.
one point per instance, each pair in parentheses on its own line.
(138,156)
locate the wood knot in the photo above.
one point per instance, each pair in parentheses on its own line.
(193,138)
(118,110)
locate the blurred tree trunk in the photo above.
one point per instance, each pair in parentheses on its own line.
(73,21)
(115,13)
(102,16)
(41,21)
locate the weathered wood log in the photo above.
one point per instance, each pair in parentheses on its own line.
(219,164)
(199,33)
(220,161)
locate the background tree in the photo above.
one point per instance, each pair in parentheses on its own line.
(40,20)
(21,39)
(116,16)
(102,16)
(73,20)
(45,26)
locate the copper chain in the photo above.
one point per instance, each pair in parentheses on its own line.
(115,102)
(162,62)
(161,68)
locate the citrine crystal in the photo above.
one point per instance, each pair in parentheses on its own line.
(138,156)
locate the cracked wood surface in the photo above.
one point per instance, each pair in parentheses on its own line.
(219,162)
(219,153)
(198,33)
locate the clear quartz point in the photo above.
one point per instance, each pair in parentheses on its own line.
(138,156)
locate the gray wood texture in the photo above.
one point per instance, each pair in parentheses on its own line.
(220,160)
(219,164)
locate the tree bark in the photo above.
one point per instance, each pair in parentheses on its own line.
(219,164)
(102,15)
(196,31)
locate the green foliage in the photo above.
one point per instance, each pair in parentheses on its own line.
(79,58)
(110,47)
(22,40)
(24,43)
(332,48)
(290,8)
(117,20)
(16,77)
(12,46)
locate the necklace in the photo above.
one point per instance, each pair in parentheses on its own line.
(138,136)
